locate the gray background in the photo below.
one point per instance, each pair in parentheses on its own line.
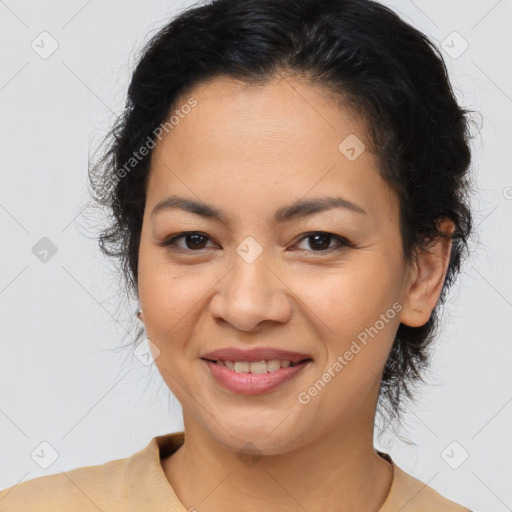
(61,378)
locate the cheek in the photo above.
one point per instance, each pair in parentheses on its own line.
(349,297)
(168,298)
(358,303)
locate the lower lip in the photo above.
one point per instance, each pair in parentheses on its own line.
(253,384)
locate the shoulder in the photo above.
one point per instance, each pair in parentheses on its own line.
(409,494)
(132,484)
(82,490)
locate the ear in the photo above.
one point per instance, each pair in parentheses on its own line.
(139,315)
(427,277)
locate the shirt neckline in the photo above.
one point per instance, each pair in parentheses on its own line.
(165,445)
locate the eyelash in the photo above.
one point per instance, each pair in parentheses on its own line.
(343,242)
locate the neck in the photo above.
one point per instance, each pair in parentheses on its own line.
(339,470)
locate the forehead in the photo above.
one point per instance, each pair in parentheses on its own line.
(274,118)
(282,109)
(281,139)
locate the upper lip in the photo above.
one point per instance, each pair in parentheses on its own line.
(254,354)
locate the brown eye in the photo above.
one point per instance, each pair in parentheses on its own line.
(193,241)
(321,242)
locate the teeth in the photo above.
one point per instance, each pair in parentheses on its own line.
(274,365)
(242,367)
(255,367)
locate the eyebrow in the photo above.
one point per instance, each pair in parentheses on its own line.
(300,209)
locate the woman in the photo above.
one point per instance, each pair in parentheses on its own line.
(287,187)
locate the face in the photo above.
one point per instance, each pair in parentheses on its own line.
(320,281)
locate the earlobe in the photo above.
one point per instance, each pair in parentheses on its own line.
(427,277)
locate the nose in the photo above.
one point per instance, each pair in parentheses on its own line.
(251,295)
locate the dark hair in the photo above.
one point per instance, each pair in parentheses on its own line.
(373,61)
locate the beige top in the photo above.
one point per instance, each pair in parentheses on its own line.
(138,484)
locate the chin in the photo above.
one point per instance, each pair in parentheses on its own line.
(256,439)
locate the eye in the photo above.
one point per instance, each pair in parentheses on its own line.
(321,242)
(193,240)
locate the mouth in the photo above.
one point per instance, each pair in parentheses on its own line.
(254,377)
(257,367)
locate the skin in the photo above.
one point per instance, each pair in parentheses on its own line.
(249,151)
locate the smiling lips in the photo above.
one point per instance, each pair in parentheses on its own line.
(255,354)
(256,370)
